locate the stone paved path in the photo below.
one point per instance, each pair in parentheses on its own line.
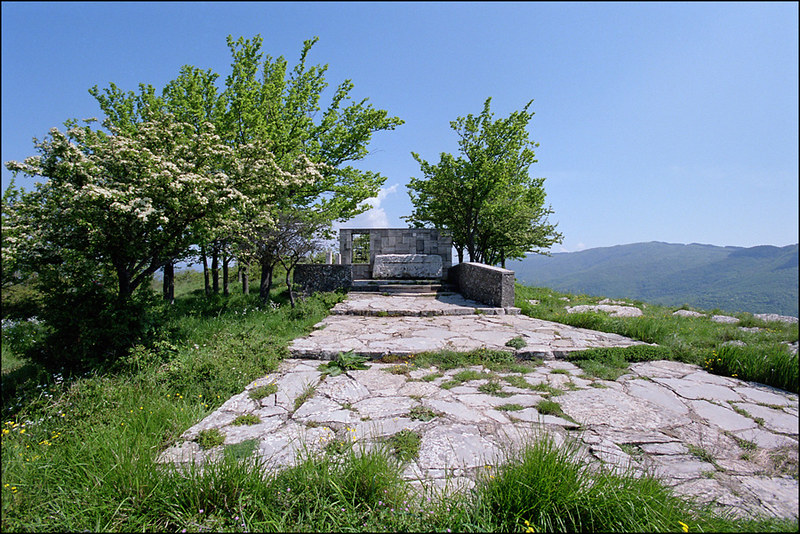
(716,439)
(374,325)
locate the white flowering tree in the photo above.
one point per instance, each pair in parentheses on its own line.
(121,203)
(113,208)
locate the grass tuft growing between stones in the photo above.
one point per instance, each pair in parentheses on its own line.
(210,438)
(263,391)
(246,419)
(511,407)
(612,362)
(549,407)
(421,413)
(405,444)
(517,342)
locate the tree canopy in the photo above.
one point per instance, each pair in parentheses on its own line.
(484,196)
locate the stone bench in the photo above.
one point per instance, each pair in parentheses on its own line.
(413,266)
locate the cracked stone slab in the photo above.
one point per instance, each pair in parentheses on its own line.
(656,394)
(778,495)
(615,409)
(410,335)
(762,394)
(457,445)
(721,416)
(693,390)
(775,420)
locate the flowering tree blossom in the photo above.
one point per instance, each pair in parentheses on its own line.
(127,203)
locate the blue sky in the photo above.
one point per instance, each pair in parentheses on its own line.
(673,122)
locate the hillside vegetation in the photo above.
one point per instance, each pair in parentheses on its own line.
(760,279)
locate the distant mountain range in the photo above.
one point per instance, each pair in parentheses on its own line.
(761,279)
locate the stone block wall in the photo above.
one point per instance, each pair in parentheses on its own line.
(311,277)
(486,284)
(398,241)
(361,271)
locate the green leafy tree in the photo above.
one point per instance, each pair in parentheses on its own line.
(268,107)
(269,104)
(493,209)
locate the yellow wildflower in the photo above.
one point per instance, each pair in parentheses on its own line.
(684,526)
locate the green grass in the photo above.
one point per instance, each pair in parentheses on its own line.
(306,394)
(80,450)
(246,419)
(546,488)
(405,445)
(210,438)
(511,407)
(517,342)
(494,388)
(263,391)
(699,341)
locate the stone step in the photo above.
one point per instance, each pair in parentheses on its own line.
(401,287)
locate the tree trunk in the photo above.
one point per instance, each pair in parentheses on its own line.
(266,280)
(124,281)
(245,279)
(215,267)
(169,282)
(225,260)
(207,283)
(289,285)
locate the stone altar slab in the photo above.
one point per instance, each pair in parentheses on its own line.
(412,266)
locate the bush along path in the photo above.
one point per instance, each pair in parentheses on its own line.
(457,416)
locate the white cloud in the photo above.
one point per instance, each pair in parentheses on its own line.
(376,216)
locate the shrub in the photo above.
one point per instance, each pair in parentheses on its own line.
(516,342)
(20,301)
(88,327)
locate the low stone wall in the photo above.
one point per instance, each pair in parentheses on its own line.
(486,284)
(313,277)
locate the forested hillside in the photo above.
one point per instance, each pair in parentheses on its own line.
(761,279)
